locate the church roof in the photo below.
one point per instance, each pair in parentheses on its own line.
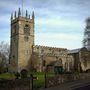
(77,50)
(74,51)
(48,47)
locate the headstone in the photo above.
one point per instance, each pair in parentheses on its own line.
(24,73)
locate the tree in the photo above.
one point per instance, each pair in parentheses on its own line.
(2,59)
(4,54)
(5,49)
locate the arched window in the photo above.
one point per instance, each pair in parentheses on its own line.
(85,61)
(60,60)
(44,63)
(27,29)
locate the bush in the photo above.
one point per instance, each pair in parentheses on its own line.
(17,75)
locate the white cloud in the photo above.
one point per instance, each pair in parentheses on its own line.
(52,16)
(59,36)
(58,22)
(60,40)
(5,19)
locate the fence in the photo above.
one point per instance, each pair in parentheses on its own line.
(17,84)
(27,83)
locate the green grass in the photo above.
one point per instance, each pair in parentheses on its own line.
(40,82)
(7,76)
(41,79)
(37,83)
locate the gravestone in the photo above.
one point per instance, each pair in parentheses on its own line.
(24,73)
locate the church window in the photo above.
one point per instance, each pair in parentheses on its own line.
(60,61)
(44,63)
(85,61)
(27,30)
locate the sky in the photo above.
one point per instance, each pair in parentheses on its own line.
(58,23)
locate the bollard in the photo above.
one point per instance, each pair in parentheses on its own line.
(45,81)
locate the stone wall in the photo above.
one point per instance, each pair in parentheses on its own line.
(57,80)
(18,84)
(52,54)
(81,59)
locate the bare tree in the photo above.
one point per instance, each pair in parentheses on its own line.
(2,62)
(5,49)
(4,54)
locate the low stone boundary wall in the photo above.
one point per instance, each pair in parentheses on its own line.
(58,79)
(17,84)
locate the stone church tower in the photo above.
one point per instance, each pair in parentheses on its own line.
(22,41)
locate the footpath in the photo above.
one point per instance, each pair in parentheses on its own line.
(70,85)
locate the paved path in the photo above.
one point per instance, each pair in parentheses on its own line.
(83,88)
(76,85)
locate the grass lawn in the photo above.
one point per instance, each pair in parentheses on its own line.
(40,82)
(7,76)
(41,78)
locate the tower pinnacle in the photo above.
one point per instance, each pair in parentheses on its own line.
(33,15)
(11,16)
(19,13)
(15,15)
(26,14)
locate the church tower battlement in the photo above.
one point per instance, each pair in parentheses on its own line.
(22,41)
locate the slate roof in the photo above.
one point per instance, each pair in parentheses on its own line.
(74,51)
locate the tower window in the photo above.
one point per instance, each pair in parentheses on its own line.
(27,30)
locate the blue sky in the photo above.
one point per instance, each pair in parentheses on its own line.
(58,23)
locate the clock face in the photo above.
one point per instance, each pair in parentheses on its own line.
(27,30)
(26,38)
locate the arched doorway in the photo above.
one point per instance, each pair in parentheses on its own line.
(58,67)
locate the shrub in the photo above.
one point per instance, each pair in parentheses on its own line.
(17,75)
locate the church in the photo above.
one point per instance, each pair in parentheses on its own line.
(24,54)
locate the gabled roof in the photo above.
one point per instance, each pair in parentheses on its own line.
(77,50)
(74,51)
